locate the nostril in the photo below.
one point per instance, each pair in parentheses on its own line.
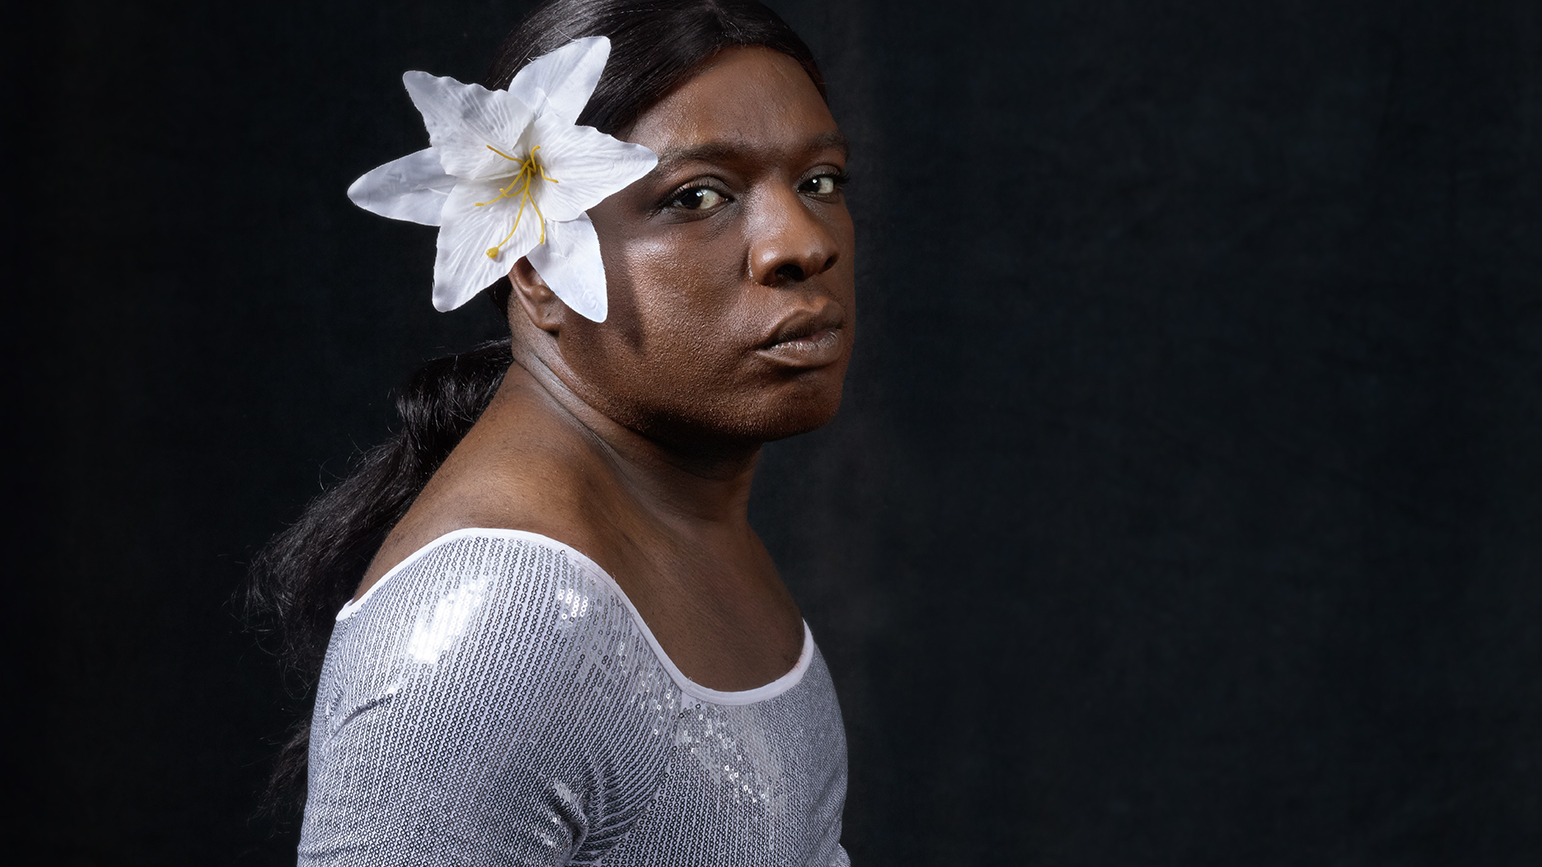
(790,273)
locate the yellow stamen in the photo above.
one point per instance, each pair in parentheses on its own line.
(529,170)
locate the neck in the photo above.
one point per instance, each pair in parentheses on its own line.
(689,486)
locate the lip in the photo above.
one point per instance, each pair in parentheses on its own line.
(808,338)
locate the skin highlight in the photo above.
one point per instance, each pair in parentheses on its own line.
(732,303)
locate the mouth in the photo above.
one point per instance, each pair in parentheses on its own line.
(807,338)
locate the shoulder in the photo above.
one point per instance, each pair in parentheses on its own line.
(476,554)
(474,492)
(490,677)
(521,469)
(491,619)
(473,591)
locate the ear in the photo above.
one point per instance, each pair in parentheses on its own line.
(540,304)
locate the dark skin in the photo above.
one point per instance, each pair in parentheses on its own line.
(732,301)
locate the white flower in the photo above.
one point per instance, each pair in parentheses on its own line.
(510,174)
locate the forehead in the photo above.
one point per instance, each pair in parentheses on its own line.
(748,99)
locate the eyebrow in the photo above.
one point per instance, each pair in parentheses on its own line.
(727,151)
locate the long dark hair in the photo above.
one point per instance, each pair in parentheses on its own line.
(305,574)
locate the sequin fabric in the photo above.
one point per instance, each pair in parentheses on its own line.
(496,700)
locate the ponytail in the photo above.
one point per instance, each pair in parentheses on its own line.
(305,574)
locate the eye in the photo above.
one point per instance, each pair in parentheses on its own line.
(823,185)
(698,199)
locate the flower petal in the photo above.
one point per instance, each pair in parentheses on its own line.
(588,166)
(570,264)
(466,120)
(470,182)
(462,267)
(561,82)
(412,188)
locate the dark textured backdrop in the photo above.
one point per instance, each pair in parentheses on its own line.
(1186,507)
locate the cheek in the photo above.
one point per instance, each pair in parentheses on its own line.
(686,300)
(663,351)
(676,354)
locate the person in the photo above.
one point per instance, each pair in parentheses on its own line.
(542,628)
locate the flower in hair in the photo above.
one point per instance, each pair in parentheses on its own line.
(510,173)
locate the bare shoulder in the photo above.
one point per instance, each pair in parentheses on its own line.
(462,506)
(493,482)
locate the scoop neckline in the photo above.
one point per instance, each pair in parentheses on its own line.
(581,560)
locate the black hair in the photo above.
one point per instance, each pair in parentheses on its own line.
(306,573)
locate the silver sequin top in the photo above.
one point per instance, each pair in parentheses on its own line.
(496,700)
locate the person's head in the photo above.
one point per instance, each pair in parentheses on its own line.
(737,243)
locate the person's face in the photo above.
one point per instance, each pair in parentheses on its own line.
(729,267)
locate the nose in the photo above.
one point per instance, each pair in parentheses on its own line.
(789,243)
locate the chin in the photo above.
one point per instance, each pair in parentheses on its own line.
(806,410)
(788,410)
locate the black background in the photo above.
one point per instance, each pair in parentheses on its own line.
(1184,508)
